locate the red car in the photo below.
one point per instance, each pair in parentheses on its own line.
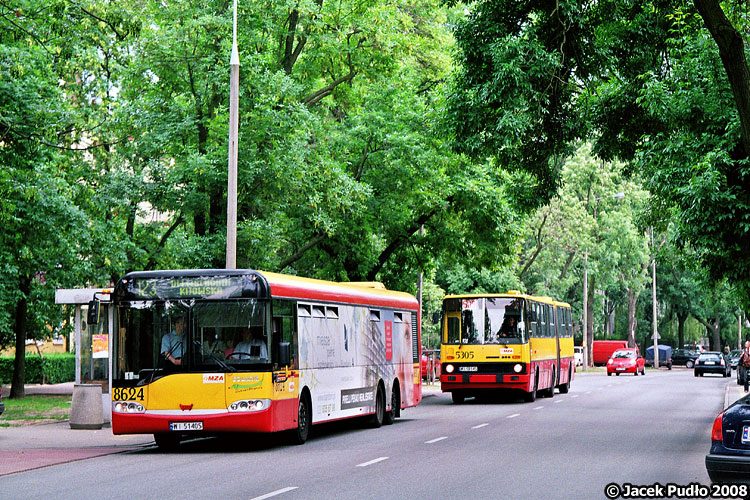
(626,360)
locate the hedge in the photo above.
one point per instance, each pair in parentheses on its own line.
(56,368)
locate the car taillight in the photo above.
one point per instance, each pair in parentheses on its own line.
(717,431)
(722,362)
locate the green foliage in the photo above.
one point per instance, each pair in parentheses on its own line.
(53,368)
(643,80)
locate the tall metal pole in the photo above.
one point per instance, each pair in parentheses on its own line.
(234,97)
(653,300)
(584,344)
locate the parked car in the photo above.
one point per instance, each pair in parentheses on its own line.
(578,354)
(627,360)
(712,362)
(601,350)
(2,405)
(734,358)
(728,460)
(665,356)
(695,348)
(684,357)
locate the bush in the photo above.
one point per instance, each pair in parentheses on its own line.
(55,368)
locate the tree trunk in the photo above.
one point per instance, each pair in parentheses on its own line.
(732,53)
(681,319)
(716,328)
(590,320)
(19,363)
(632,322)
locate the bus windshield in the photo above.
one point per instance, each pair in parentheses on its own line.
(485,320)
(159,337)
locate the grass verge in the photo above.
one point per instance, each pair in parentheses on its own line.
(35,409)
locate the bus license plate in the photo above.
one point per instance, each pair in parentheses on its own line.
(185,426)
(746,434)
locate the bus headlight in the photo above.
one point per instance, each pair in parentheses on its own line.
(449,368)
(250,405)
(127,407)
(518,368)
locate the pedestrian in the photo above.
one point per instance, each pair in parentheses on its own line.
(744,363)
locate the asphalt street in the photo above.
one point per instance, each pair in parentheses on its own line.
(638,430)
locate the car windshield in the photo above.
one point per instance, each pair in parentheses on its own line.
(623,354)
(735,353)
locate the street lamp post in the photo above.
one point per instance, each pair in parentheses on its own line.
(234,92)
(653,301)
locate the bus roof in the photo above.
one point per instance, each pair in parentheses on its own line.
(373,293)
(510,294)
(235,283)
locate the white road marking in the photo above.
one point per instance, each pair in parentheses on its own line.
(587,392)
(513,416)
(480,426)
(372,462)
(574,396)
(539,407)
(436,440)
(558,401)
(274,493)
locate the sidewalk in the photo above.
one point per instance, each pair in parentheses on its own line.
(33,446)
(733,392)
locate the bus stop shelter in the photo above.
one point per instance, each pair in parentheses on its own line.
(92,346)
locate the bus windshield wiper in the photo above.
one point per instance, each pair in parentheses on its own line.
(213,356)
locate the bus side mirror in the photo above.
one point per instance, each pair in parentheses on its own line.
(93,314)
(285,354)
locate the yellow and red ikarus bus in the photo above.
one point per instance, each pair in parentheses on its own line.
(211,351)
(505,341)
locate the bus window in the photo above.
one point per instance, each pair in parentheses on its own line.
(503,321)
(284,328)
(453,329)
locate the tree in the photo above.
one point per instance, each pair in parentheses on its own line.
(660,85)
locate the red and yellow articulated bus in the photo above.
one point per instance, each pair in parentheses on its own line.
(505,341)
(211,351)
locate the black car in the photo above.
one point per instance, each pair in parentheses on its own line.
(729,457)
(2,405)
(684,357)
(712,362)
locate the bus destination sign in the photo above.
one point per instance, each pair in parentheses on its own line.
(207,287)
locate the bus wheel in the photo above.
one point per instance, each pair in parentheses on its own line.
(377,418)
(390,416)
(550,393)
(304,419)
(564,388)
(530,397)
(167,441)
(457,397)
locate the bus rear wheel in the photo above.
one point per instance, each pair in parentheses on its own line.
(376,420)
(564,388)
(390,416)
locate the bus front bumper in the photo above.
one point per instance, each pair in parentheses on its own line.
(484,381)
(281,415)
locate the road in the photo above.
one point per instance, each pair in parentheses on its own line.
(626,429)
